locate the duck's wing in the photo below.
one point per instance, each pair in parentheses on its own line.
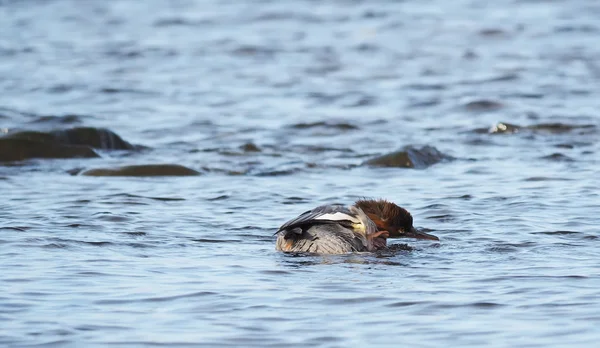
(323,239)
(325,214)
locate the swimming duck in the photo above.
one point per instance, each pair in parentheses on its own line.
(337,229)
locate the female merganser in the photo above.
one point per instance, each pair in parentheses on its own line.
(335,229)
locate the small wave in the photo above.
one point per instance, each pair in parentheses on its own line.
(557,232)
(342,126)
(157,299)
(558,157)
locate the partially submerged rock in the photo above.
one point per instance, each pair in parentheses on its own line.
(483,105)
(67,143)
(558,128)
(249,147)
(504,128)
(554,128)
(12,149)
(143,170)
(98,138)
(410,157)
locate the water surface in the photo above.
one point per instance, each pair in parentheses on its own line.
(277,105)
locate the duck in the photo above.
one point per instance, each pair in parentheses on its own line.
(364,226)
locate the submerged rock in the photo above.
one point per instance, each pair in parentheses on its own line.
(410,157)
(504,128)
(249,147)
(554,128)
(483,105)
(98,138)
(15,149)
(143,170)
(558,128)
(67,143)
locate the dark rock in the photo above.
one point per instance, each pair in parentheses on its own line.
(558,128)
(143,170)
(555,128)
(483,105)
(504,128)
(19,149)
(31,135)
(75,171)
(98,138)
(68,143)
(249,147)
(410,157)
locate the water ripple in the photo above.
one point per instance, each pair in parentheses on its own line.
(281,106)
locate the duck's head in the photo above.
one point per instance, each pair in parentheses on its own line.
(392,218)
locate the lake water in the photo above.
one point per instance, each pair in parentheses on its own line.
(278,104)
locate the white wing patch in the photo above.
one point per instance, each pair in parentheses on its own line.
(338,216)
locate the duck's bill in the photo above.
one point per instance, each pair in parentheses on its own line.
(414,233)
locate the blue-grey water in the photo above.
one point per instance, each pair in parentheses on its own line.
(277,104)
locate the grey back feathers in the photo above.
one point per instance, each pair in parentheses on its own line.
(325,239)
(330,229)
(325,214)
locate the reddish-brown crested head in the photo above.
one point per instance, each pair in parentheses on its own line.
(386,215)
(392,218)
